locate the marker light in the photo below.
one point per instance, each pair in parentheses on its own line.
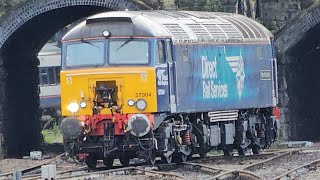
(73,107)
(83,104)
(131,102)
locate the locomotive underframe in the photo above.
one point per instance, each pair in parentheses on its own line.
(178,137)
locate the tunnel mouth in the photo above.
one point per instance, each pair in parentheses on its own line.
(21,128)
(303,81)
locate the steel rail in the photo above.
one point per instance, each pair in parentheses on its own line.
(254,165)
(313,163)
(127,170)
(260,163)
(237,173)
(207,168)
(82,169)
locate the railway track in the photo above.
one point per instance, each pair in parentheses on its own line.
(297,165)
(145,170)
(127,171)
(31,170)
(259,166)
(246,171)
(308,166)
(186,170)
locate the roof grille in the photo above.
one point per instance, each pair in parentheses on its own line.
(215,31)
(176,31)
(230,31)
(199,31)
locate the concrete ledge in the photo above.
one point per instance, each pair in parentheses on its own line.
(296,144)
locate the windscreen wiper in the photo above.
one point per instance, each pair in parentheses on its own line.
(125,43)
(90,43)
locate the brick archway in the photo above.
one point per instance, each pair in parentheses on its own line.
(297,30)
(23,32)
(298,45)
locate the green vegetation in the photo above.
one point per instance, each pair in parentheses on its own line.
(52,135)
(200,5)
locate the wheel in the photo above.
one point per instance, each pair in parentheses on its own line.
(227,151)
(167,159)
(184,157)
(152,157)
(242,151)
(203,155)
(108,162)
(256,149)
(179,157)
(124,161)
(91,162)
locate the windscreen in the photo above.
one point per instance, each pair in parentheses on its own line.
(85,54)
(128,51)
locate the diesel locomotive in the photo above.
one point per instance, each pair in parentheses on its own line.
(149,84)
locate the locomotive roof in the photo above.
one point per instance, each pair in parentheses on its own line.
(182,26)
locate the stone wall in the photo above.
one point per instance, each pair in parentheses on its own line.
(275,15)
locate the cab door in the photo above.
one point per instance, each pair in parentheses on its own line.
(165,76)
(172,78)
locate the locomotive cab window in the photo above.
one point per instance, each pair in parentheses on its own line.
(169,51)
(128,51)
(85,53)
(160,59)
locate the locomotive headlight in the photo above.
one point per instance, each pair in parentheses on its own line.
(106,33)
(73,107)
(141,104)
(83,104)
(131,102)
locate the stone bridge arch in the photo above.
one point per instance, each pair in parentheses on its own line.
(299,31)
(23,32)
(298,50)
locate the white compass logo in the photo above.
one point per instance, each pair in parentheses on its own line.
(237,66)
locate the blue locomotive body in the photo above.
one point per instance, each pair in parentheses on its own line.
(210,77)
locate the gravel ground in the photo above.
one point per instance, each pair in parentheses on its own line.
(9,165)
(192,174)
(134,177)
(236,163)
(311,175)
(286,163)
